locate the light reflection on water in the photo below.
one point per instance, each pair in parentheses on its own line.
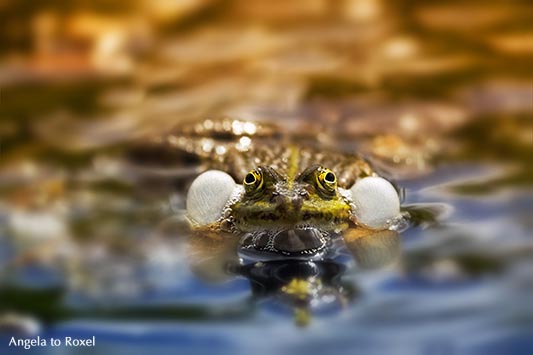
(92,235)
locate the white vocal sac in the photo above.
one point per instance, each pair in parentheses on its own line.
(208,196)
(376,201)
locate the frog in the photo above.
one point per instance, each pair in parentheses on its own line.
(277,193)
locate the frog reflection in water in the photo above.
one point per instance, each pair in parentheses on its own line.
(301,286)
(292,202)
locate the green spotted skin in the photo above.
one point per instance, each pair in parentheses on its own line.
(290,194)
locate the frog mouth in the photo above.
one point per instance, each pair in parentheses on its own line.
(298,241)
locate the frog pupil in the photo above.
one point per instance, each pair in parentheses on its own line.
(249,179)
(330,177)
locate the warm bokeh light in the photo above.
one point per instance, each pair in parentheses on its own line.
(110,109)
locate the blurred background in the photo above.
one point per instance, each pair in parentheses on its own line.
(438,94)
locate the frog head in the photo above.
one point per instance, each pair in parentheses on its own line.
(271,200)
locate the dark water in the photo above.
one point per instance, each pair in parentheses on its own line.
(93,240)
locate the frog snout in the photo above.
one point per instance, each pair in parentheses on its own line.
(287,201)
(296,202)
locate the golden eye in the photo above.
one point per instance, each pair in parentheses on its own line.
(327,180)
(253,180)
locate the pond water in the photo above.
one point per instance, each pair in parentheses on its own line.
(93,238)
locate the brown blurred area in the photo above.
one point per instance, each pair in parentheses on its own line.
(392,70)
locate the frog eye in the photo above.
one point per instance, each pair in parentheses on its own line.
(326,180)
(253,180)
